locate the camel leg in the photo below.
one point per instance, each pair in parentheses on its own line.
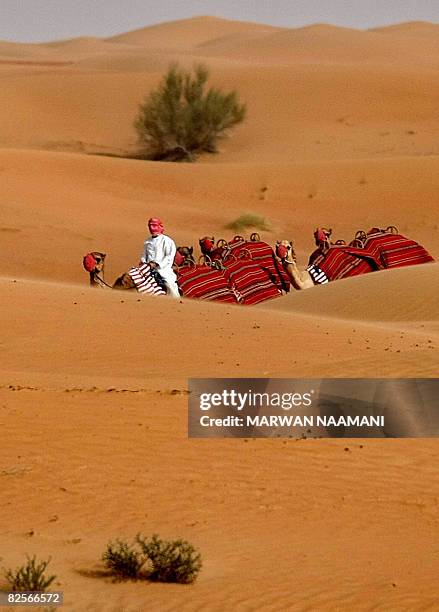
(124,282)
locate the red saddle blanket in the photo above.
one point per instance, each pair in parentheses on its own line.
(250,281)
(343,261)
(205,283)
(395,250)
(263,255)
(380,251)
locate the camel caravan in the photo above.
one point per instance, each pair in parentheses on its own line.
(250,271)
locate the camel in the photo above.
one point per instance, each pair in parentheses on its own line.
(355,262)
(300,279)
(94,263)
(184,257)
(207,244)
(378,249)
(212,251)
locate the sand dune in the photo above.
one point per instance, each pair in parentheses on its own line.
(369,113)
(111,483)
(83,94)
(83,43)
(112,422)
(325,44)
(419,36)
(86,358)
(410,28)
(326,344)
(341,132)
(402,294)
(188,33)
(21,50)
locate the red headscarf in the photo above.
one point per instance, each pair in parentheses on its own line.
(155,226)
(322,235)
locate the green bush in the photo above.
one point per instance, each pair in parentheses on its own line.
(171,561)
(249,220)
(30,577)
(122,560)
(182,119)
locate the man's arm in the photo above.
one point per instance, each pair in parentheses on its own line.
(144,256)
(169,250)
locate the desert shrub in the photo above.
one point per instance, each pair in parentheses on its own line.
(181,118)
(248,220)
(123,560)
(30,577)
(171,561)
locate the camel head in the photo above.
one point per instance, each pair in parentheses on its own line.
(322,236)
(285,251)
(184,256)
(94,263)
(207,244)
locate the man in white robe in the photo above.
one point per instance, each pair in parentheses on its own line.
(159,251)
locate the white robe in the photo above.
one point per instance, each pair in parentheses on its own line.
(162,249)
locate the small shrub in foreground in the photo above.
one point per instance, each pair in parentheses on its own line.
(123,560)
(171,561)
(30,577)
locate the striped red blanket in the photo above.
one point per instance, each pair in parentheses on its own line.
(262,254)
(205,283)
(380,250)
(395,250)
(251,282)
(341,262)
(144,280)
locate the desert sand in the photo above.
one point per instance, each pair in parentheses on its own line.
(341,132)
